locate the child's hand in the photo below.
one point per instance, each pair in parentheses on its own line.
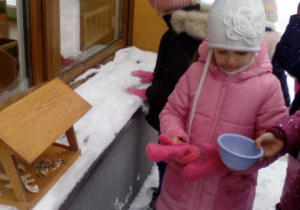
(166,140)
(175,140)
(192,154)
(138,92)
(271,145)
(181,152)
(146,76)
(298,11)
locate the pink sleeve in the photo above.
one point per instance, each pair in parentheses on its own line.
(272,109)
(175,113)
(270,113)
(288,130)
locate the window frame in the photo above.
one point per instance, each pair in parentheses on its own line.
(45,42)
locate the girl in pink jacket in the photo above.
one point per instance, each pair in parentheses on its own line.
(231,89)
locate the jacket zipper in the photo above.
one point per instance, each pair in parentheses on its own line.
(216,117)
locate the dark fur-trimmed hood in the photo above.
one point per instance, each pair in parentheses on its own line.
(194,23)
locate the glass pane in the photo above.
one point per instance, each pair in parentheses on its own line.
(13,76)
(11,3)
(87,27)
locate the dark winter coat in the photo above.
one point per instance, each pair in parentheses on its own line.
(289,131)
(187,29)
(272,38)
(287,54)
(280,74)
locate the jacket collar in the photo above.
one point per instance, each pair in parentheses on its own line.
(191,20)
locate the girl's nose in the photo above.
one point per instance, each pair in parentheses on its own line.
(231,59)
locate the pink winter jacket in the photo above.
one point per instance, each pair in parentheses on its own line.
(246,103)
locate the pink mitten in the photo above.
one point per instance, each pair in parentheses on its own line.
(146,76)
(182,152)
(138,92)
(211,165)
(191,156)
(166,140)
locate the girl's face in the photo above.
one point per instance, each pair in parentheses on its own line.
(232,60)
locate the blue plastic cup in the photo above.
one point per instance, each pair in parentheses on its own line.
(238,152)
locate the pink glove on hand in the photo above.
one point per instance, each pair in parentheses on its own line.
(211,165)
(182,152)
(138,92)
(146,76)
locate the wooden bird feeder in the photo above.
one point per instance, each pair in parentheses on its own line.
(29,133)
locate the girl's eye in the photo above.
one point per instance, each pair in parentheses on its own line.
(222,51)
(241,53)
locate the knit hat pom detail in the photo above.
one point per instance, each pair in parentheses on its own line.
(271,10)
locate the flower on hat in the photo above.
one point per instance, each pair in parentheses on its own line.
(244,25)
(236,25)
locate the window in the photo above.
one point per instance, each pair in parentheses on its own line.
(13,71)
(72,36)
(41,40)
(87,27)
(11,2)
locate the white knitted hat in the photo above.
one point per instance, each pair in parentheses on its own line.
(166,5)
(236,25)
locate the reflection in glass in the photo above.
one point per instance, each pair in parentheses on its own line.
(13,78)
(87,27)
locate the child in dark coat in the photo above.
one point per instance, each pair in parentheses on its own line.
(272,38)
(287,55)
(187,28)
(284,138)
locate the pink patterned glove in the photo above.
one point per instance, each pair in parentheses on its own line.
(211,165)
(138,92)
(146,76)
